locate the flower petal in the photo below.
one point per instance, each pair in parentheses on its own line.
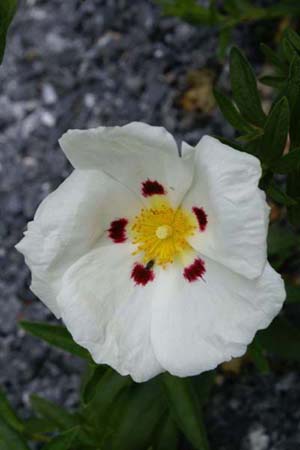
(132,154)
(226,188)
(67,225)
(108,314)
(200,324)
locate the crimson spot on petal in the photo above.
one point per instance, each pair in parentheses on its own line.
(152,187)
(195,271)
(201,217)
(141,275)
(117,230)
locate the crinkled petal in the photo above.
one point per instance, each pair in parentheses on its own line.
(108,314)
(132,154)
(226,187)
(198,325)
(68,223)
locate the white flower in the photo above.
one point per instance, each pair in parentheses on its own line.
(155,262)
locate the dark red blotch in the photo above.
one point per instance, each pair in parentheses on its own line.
(195,271)
(152,187)
(141,274)
(201,217)
(117,230)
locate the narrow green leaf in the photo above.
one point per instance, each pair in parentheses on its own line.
(110,385)
(275,132)
(256,353)
(281,241)
(91,384)
(293,189)
(231,113)
(8,414)
(54,413)
(281,338)
(62,442)
(273,81)
(140,418)
(37,425)
(57,336)
(186,408)
(288,49)
(204,384)
(293,95)
(7,12)
(279,196)
(10,439)
(288,163)
(293,37)
(244,88)
(167,437)
(188,10)
(292,293)
(272,56)
(234,144)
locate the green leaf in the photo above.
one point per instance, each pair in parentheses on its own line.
(57,336)
(288,49)
(167,437)
(256,353)
(281,241)
(140,418)
(10,439)
(281,338)
(279,196)
(293,38)
(37,425)
(244,88)
(292,293)
(63,441)
(293,188)
(293,95)
(272,56)
(91,383)
(7,12)
(186,408)
(204,384)
(231,143)
(288,163)
(110,385)
(275,132)
(231,113)
(188,10)
(56,415)
(8,414)
(273,81)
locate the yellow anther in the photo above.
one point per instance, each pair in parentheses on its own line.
(160,232)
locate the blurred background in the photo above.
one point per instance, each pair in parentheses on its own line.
(81,64)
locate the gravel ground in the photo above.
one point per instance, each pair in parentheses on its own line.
(80,64)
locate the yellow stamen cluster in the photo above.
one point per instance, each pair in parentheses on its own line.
(160,232)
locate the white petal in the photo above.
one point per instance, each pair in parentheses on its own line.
(108,314)
(67,225)
(198,325)
(131,154)
(225,185)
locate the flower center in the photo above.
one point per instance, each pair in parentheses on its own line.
(164,231)
(160,232)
